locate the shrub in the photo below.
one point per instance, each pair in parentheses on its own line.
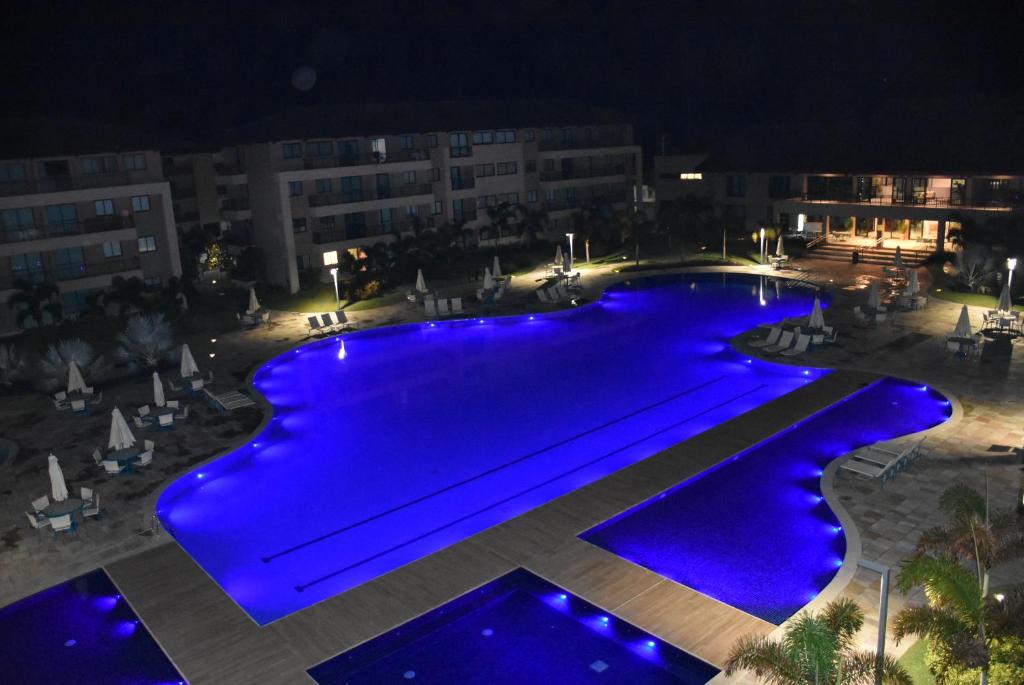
(368,290)
(12,365)
(1006,667)
(54,365)
(147,341)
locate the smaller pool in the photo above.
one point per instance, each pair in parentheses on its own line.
(81,631)
(516,629)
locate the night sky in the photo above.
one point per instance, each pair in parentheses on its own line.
(191,69)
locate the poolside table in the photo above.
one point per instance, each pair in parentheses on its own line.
(125,457)
(71,505)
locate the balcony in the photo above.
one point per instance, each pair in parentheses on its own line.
(55,184)
(465,216)
(616,170)
(384,193)
(578,202)
(69,272)
(97,224)
(331,161)
(227,169)
(235,204)
(342,233)
(592,142)
(926,201)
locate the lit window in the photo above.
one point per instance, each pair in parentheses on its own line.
(691,176)
(147,243)
(330,258)
(140,203)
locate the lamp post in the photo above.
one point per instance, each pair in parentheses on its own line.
(1011,264)
(337,298)
(572,259)
(762,245)
(883,611)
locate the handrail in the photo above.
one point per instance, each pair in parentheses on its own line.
(878,242)
(814,242)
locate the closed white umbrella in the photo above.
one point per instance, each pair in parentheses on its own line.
(874,299)
(780,249)
(496,269)
(913,286)
(488,281)
(254,304)
(421,284)
(188,364)
(558,253)
(58,488)
(158,391)
(120,434)
(898,258)
(963,324)
(75,381)
(816,320)
(1004,299)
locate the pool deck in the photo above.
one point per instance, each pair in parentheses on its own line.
(211,640)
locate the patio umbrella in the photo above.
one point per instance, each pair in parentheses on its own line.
(496,269)
(898,259)
(874,299)
(158,391)
(58,488)
(816,319)
(254,304)
(120,434)
(75,381)
(963,324)
(421,284)
(780,249)
(488,281)
(558,253)
(913,287)
(1004,299)
(188,364)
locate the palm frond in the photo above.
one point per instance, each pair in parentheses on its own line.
(768,660)
(844,618)
(945,582)
(928,621)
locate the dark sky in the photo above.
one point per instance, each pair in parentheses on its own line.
(686,67)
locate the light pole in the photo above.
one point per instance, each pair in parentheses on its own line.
(572,259)
(883,611)
(1011,264)
(337,298)
(762,245)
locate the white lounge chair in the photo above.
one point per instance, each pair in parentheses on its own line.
(785,340)
(61,523)
(430,307)
(771,339)
(799,348)
(111,466)
(41,503)
(97,457)
(86,494)
(456,305)
(37,521)
(442,307)
(92,509)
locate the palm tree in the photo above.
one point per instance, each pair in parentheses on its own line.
(146,341)
(953,564)
(533,221)
(589,222)
(128,294)
(501,216)
(32,300)
(635,227)
(815,650)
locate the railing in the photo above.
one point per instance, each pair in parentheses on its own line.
(171,169)
(331,161)
(617,170)
(814,242)
(600,141)
(56,184)
(465,184)
(93,225)
(235,204)
(350,196)
(69,272)
(576,203)
(226,169)
(910,201)
(342,233)
(465,216)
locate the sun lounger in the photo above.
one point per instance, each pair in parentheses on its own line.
(785,340)
(227,401)
(542,295)
(342,320)
(799,348)
(883,461)
(442,307)
(430,308)
(328,323)
(771,339)
(456,305)
(314,325)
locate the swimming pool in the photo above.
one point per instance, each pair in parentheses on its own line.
(755,532)
(80,631)
(516,629)
(392,443)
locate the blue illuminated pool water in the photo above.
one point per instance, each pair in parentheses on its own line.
(401,441)
(80,631)
(755,532)
(516,629)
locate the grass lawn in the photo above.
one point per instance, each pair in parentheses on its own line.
(913,661)
(320,298)
(942,289)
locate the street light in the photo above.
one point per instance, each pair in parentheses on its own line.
(883,612)
(337,298)
(762,245)
(1011,264)
(572,259)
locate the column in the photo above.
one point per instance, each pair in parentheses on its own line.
(940,237)
(828,226)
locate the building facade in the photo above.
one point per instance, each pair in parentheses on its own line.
(80,221)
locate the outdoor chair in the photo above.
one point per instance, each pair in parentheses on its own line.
(542,295)
(87,391)
(41,503)
(329,325)
(111,466)
(342,320)
(165,422)
(92,509)
(314,325)
(456,305)
(148,444)
(799,348)
(144,410)
(442,307)
(86,494)
(62,523)
(430,307)
(174,387)
(183,415)
(60,396)
(138,422)
(146,458)
(78,406)
(36,521)
(785,340)
(173,404)
(60,406)
(97,457)
(771,339)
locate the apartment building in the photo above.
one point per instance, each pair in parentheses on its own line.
(79,220)
(324,180)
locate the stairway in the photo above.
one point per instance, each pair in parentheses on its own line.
(840,252)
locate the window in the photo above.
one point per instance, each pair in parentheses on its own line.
(12,172)
(379,148)
(112,248)
(408,177)
(302,261)
(483,137)
(101,165)
(299,225)
(485,170)
(431,140)
(778,187)
(147,243)
(326,222)
(61,218)
(386,216)
(485,201)
(349,150)
(506,168)
(323,185)
(549,165)
(531,195)
(460,181)
(435,174)
(531,166)
(153,282)
(75,302)
(104,207)
(459,210)
(351,188)
(140,203)
(405,142)
(505,137)
(319,148)
(508,198)
(531,135)
(28,266)
(68,263)
(437,207)
(735,185)
(19,224)
(458,144)
(411,211)
(689,176)
(291,150)
(135,162)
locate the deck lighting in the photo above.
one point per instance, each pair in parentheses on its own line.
(212,355)
(213,340)
(650,644)
(563,596)
(999,596)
